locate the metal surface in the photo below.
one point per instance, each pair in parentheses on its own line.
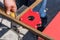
(24,25)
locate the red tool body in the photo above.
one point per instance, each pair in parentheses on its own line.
(31,18)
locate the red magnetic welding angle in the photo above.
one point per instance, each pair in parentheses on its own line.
(31,18)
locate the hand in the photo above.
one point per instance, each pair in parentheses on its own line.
(10,6)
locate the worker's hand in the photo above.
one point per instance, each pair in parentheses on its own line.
(10,6)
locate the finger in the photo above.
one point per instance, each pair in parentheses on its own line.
(14,8)
(8,10)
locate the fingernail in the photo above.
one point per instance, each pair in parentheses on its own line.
(8,12)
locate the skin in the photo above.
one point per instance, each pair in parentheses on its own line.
(10,6)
